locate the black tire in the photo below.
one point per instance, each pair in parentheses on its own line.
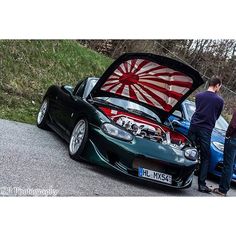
(75,153)
(42,121)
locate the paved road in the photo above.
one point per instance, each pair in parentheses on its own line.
(34,162)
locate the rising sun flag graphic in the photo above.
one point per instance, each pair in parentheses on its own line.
(148,82)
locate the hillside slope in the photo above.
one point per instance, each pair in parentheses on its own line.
(28,68)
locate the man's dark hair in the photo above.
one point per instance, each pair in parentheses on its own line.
(214,80)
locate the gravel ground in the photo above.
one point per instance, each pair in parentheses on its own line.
(35,162)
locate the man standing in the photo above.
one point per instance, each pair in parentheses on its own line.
(208,109)
(229,158)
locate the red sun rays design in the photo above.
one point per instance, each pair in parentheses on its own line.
(148,82)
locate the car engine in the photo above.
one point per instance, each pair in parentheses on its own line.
(156,134)
(148,129)
(141,129)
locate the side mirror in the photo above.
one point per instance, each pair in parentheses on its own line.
(176,123)
(69,89)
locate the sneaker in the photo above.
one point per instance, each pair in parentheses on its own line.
(217,191)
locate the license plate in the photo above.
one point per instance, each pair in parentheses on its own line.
(155,175)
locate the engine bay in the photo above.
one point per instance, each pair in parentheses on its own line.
(146,128)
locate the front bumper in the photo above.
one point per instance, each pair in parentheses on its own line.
(126,157)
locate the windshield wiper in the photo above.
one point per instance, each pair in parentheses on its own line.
(107,103)
(135,111)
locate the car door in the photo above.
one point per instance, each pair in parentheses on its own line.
(79,106)
(60,104)
(56,96)
(70,107)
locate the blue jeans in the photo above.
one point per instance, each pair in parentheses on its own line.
(202,138)
(228,164)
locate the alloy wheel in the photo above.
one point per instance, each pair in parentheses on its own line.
(42,111)
(77,137)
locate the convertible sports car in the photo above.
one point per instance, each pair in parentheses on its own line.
(181,122)
(117,121)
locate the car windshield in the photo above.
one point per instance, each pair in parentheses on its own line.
(221,123)
(131,106)
(89,86)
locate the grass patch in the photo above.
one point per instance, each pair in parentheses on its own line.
(29,67)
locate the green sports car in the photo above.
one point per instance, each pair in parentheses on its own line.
(118,120)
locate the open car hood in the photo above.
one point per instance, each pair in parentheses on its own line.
(156,82)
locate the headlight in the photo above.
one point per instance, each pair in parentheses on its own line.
(219,146)
(191,154)
(116,132)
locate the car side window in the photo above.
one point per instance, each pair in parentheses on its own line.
(79,89)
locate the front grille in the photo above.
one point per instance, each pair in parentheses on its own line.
(147,164)
(155,165)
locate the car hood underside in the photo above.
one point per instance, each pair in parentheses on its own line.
(156,82)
